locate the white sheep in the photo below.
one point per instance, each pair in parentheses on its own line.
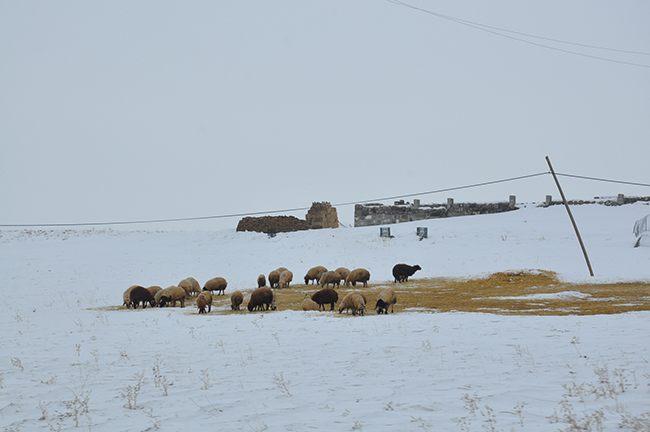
(330,277)
(127,296)
(204,299)
(386,298)
(236,299)
(308,304)
(314,274)
(285,278)
(171,295)
(358,275)
(190,285)
(218,284)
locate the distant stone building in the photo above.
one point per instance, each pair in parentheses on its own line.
(322,215)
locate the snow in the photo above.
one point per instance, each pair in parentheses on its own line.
(70,361)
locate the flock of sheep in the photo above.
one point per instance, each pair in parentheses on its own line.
(263,298)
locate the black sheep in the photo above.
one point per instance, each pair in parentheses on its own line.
(401,272)
(262,298)
(325,296)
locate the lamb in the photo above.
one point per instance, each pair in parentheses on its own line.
(353,301)
(343,272)
(358,275)
(204,299)
(274,278)
(263,299)
(309,304)
(171,295)
(314,274)
(325,296)
(141,294)
(190,285)
(261,281)
(386,298)
(127,296)
(216,284)
(401,272)
(285,279)
(236,299)
(330,277)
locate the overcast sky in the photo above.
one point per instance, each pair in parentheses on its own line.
(139,110)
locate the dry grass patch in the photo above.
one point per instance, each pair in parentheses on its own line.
(508,293)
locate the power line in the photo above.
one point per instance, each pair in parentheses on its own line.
(341,204)
(496,30)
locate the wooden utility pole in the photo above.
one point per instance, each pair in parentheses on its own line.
(575,226)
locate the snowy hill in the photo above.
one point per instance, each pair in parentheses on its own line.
(68,358)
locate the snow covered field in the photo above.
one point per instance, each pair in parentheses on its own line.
(70,361)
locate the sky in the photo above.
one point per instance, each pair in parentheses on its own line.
(135,111)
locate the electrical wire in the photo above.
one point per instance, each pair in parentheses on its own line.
(497,30)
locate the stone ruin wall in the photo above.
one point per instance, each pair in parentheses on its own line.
(320,215)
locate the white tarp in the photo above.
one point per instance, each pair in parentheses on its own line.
(641,231)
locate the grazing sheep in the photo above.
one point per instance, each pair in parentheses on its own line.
(386,298)
(216,284)
(325,296)
(190,285)
(261,281)
(308,304)
(236,299)
(274,278)
(154,289)
(141,294)
(204,299)
(343,272)
(127,296)
(401,272)
(358,275)
(285,279)
(353,301)
(314,274)
(263,299)
(330,277)
(171,295)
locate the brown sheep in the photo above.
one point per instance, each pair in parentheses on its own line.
(353,301)
(285,279)
(401,272)
(263,299)
(126,296)
(308,304)
(218,284)
(314,274)
(358,275)
(153,289)
(190,285)
(236,299)
(330,277)
(141,294)
(274,278)
(204,299)
(261,281)
(325,296)
(343,272)
(171,295)
(386,298)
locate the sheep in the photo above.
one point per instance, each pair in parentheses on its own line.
(190,285)
(358,275)
(401,272)
(353,301)
(261,281)
(330,277)
(386,298)
(154,289)
(285,279)
(309,304)
(127,296)
(216,284)
(343,272)
(262,298)
(141,294)
(171,295)
(274,278)
(325,296)
(204,299)
(314,274)
(236,299)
